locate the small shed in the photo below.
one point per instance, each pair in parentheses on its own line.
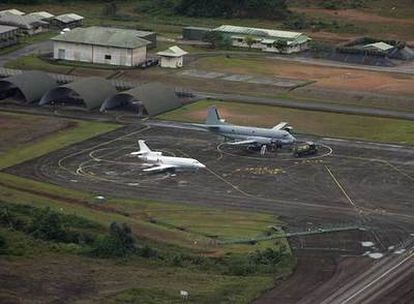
(173,57)
(43,15)
(68,21)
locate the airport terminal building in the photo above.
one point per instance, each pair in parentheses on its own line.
(101,45)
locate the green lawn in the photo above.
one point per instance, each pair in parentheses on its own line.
(82,131)
(308,122)
(175,224)
(33,62)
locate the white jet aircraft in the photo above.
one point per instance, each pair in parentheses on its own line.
(162,163)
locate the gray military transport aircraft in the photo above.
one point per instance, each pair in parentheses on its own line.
(160,163)
(254,138)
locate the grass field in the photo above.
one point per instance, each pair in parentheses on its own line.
(41,143)
(33,62)
(173,224)
(309,122)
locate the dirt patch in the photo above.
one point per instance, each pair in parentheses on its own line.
(325,77)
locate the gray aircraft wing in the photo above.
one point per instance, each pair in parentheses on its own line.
(243,142)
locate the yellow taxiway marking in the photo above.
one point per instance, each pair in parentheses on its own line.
(340,187)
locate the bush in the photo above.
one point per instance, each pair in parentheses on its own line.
(9,219)
(148,252)
(106,247)
(119,243)
(47,225)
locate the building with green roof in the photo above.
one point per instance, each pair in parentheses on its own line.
(267,40)
(101,45)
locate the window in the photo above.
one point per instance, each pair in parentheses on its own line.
(108,57)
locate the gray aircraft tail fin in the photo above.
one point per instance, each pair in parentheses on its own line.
(213,117)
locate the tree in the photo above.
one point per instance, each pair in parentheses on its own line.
(215,38)
(119,243)
(249,41)
(47,225)
(110,9)
(281,45)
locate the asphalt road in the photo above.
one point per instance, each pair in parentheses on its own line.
(36,48)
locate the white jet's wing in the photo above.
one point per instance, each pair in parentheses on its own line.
(159,168)
(280,126)
(243,142)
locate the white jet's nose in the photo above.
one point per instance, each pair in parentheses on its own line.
(201,166)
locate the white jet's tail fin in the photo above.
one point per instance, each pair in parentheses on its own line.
(213,117)
(143,148)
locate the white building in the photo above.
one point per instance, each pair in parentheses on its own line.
(27,24)
(8,35)
(101,45)
(43,15)
(173,57)
(265,39)
(70,20)
(378,46)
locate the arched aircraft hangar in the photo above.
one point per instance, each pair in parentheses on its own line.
(86,93)
(27,87)
(147,100)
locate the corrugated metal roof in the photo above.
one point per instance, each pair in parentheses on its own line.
(198,28)
(26,22)
(379,45)
(155,97)
(12,11)
(32,84)
(173,51)
(41,15)
(67,18)
(7,28)
(93,91)
(258,32)
(104,36)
